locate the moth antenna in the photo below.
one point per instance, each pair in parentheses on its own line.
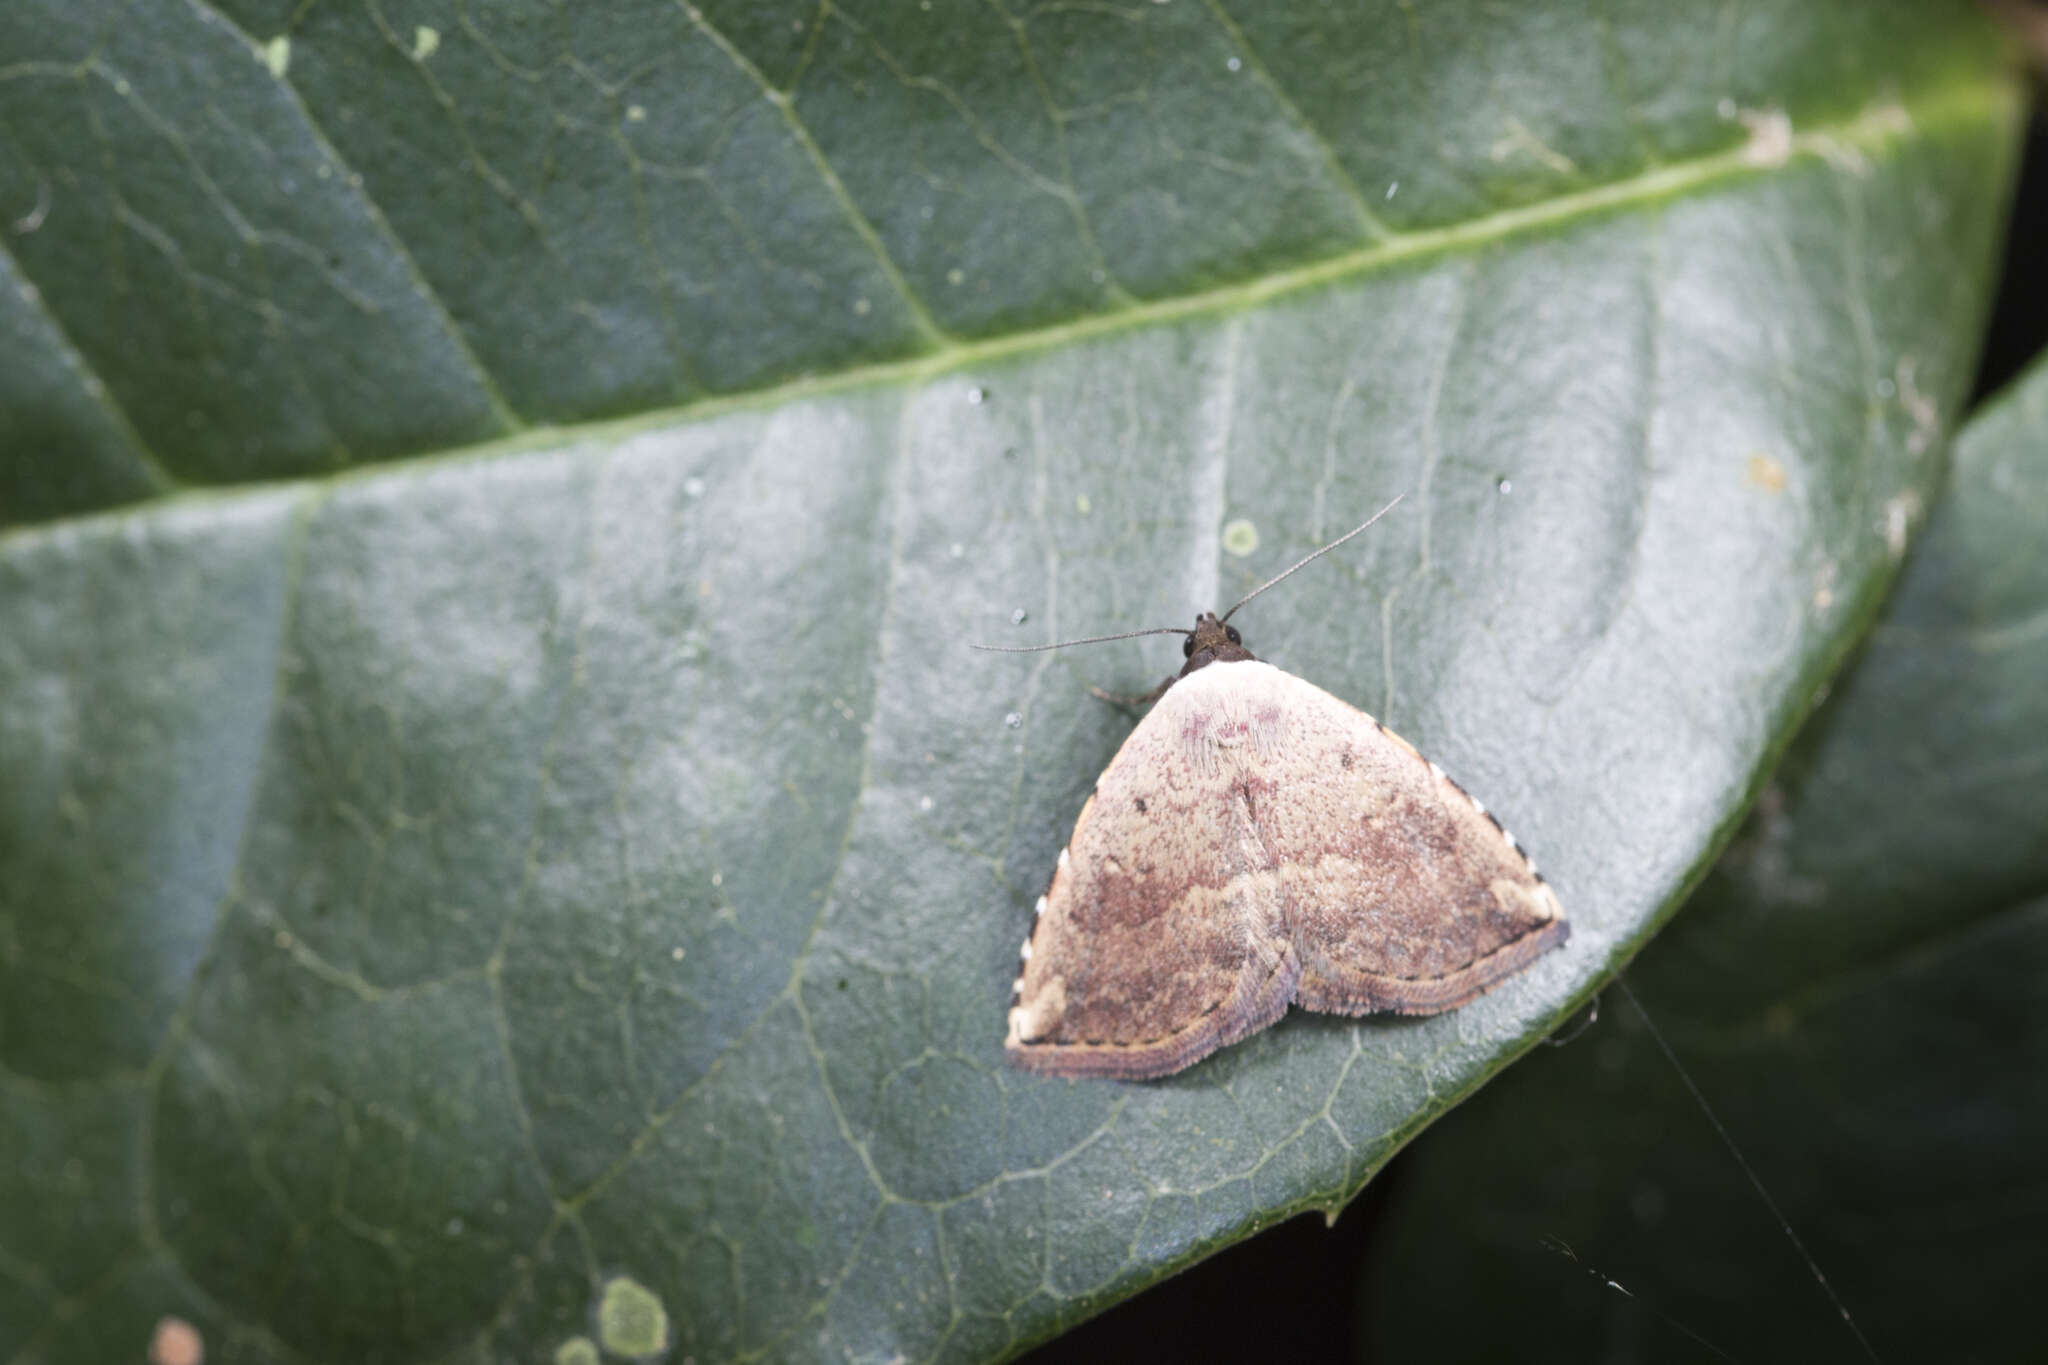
(1090,640)
(1317,555)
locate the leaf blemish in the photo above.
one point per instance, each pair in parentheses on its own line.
(176,1342)
(1899,514)
(1921,408)
(1770,136)
(632,1321)
(1766,473)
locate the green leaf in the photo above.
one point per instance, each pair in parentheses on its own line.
(1856,992)
(565,892)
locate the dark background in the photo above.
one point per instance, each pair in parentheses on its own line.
(1294,1291)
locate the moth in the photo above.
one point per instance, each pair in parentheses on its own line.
(1256,843)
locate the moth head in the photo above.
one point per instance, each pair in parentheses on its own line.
(1213,641)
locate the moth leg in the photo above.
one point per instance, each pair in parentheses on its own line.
(1154,695)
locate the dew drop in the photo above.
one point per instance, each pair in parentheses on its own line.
(924,803)
(977,395)
(1019,617)
(1505,485)
(1233,64)
(1013,720)
(694,487)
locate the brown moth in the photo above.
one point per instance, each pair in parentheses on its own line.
(1256,843)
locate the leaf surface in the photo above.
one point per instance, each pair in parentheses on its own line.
(458,900)
(1857,994)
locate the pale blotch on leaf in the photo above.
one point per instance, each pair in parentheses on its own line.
(577,1351)
(277,55)
(1240,537)
(425,42)
(1770,137)
(631,1320)
(1824,586)
(1766,473)
(1082,505)
(176,1342)
(1899,514)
